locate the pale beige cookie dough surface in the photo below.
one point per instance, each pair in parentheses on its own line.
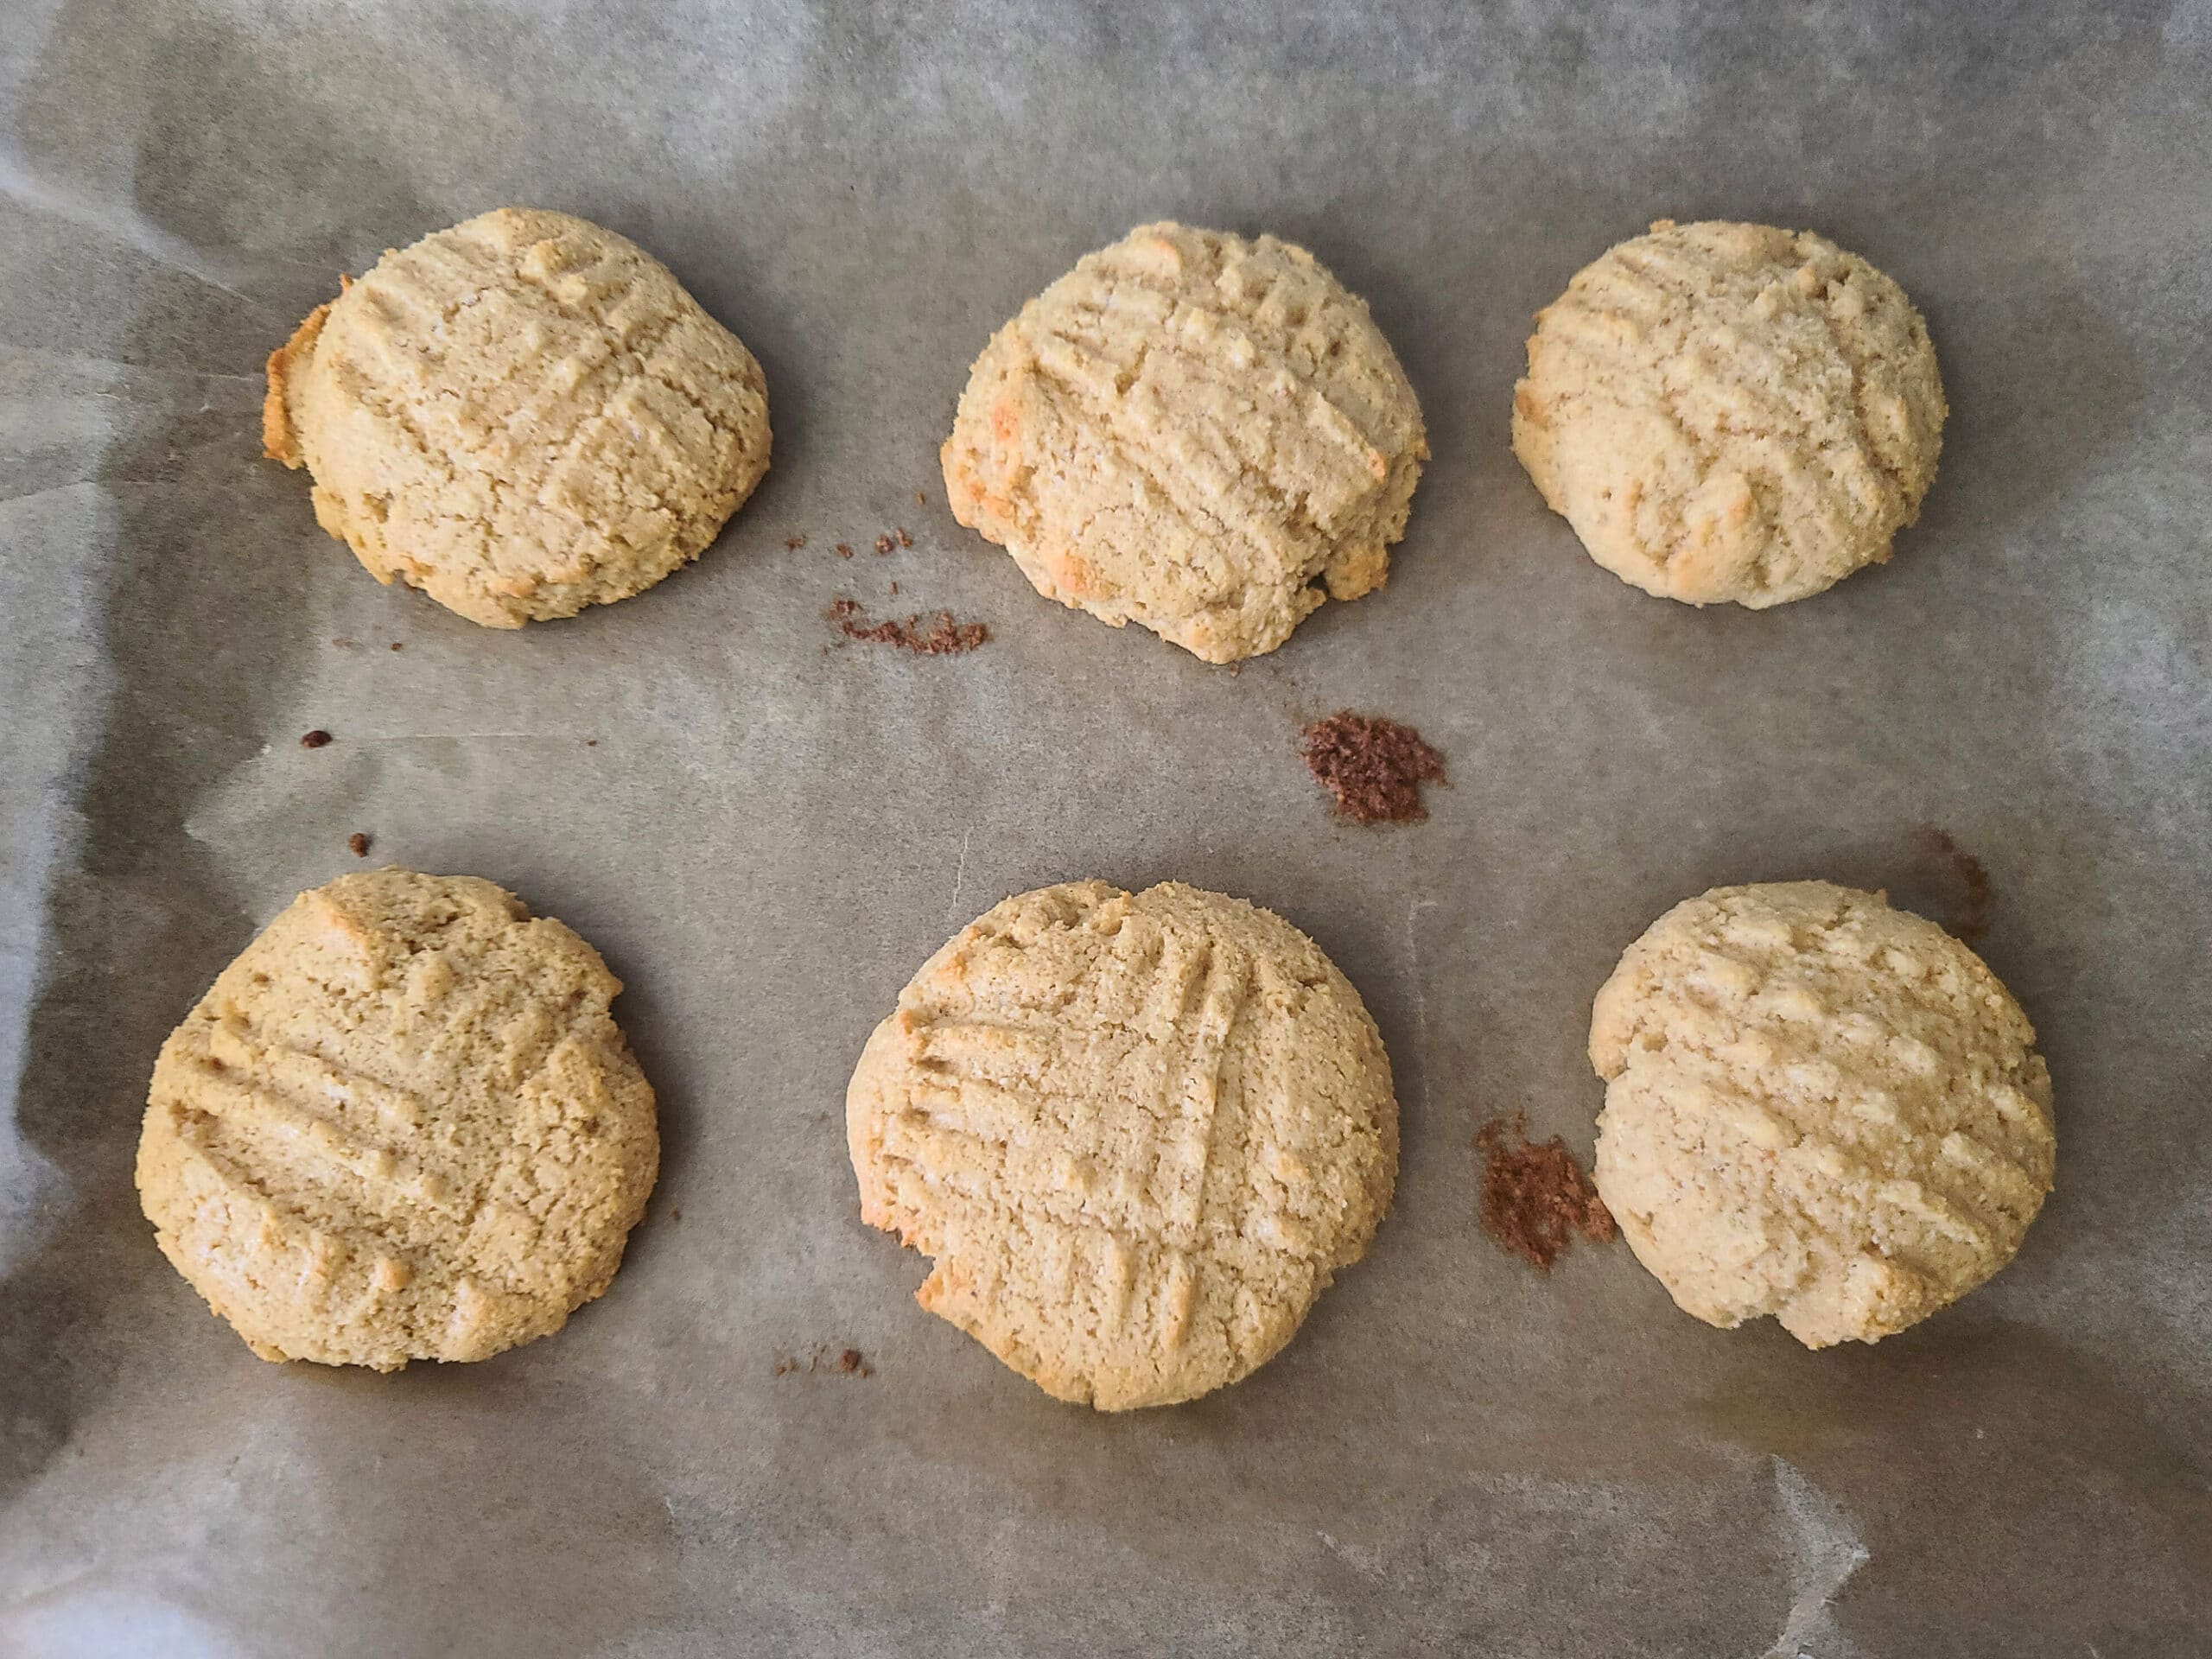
(1816,1107)
(521,415)
(1139,1133)
(1192,432)
(1730,412)
(402,1125)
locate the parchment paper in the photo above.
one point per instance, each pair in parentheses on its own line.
(766,831)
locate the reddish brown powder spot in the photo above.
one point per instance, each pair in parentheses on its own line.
(844,549)
(921,497)
(883,543)
(358,844)
(343,644)
(905,540)
(794,541)
(1975,901)
(846,1362)
(927,634)
(396,645)
(314,740)
(1534,1197)
(1374,767)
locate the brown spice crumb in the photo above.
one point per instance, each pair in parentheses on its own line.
(844,550)
(591,743)
(1534,1197)
(314,740)
(675,1212)
(396,645)
(1971,916)
(343,644)
(894,589)
(905,540)
(1374,767)
(931,634)
(358,844)
(849,1362)
(794,541)
(883,543)
(921,497)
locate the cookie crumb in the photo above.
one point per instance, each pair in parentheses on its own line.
(1971,916)
(844,550)
(358,844)
(883,543)
(794,541)
(926,634)
(1374,767)
(1534,1197)
(905,540)
(314,740)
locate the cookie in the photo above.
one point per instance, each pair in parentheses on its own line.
(401,1126)
(522,416)
(1192,432)
(1816,1107)
(1730,412)
(1139,1133)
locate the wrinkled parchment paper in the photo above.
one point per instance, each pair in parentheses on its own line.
(766,831)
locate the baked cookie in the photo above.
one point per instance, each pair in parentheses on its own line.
(1192,432)
(522,416)
(1816,1107)
(401,1126)
(1140,1133)
(1730,412)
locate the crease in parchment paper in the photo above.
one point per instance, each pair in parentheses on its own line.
(1828,1550)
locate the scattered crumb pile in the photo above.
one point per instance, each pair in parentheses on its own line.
(1971,916)
(1374,767)
(1535,1198)
(929,634)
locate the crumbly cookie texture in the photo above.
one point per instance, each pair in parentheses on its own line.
(1819,1107)
(522,416)
(1730,412)
(1140,1133)
(402,1125)
(1192,432)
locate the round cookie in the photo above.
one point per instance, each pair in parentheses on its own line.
(1730,412)
(1816,1107)
(1140,1133)
(1192,432)
(401,1126)
(522,416)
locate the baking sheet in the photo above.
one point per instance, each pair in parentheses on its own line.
(766,831)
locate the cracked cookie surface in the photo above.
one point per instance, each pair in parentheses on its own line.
(1819,1107)
(403,1125)
(521,415)
(1730,412)
(1191,431)
(1139,1133)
